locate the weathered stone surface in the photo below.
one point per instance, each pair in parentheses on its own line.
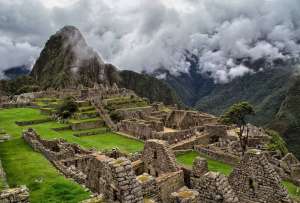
(15,195)
(200,167)
(214,187)
(158,158)
(255,179)
(185,195)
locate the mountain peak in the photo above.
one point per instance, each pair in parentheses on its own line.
(67,60)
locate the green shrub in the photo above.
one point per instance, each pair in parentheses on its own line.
(277,142)
(67,108)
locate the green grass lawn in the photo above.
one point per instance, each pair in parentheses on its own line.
(23,166)
(294,191)
(186,159)
(103,141)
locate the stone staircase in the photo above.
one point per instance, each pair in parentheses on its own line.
(96,102)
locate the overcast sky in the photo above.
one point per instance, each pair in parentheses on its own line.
(148,34)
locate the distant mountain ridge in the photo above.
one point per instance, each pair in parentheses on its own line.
(14,72)
(274,92)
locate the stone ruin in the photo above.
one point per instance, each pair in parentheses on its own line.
(15,195)
(118,180)
(156,177)
(105,91)
(114,178)
(180,119)
(255,180)
(154,152)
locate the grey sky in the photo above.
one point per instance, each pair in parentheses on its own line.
(145,35)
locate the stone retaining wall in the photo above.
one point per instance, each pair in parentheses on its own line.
(87,125)
(33,122)
(217,155)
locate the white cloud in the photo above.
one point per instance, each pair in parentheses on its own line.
(145,35)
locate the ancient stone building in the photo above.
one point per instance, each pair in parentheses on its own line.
(214,188)
(180,119)
(158,158)
(255,180)
(114,178)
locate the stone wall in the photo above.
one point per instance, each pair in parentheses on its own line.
(149,186)
(168,183)
(180,119)
(255,180)
(174,136)
(87,125)
(217,154)
(158,158)
(214,187)
(138,112)
(15,195)
(185,195)
(114,178)
(140,128)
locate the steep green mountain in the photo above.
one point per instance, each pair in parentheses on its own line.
(67,61)
(287,119)
(149,87)
(265,90)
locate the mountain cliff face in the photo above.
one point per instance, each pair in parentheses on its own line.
(67,61)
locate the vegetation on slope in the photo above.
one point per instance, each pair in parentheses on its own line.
(287,120)
(149,87)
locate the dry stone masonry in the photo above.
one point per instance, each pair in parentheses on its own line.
(255,180)
(15,195)
(153,175)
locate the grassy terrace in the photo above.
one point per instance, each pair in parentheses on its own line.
(23,166)
(186,159)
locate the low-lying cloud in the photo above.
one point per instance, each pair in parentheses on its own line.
(146,35)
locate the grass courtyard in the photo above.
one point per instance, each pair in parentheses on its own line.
(23,166)
(186,159)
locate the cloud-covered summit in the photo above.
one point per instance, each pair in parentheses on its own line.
(145,35)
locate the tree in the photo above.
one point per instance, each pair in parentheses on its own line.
(237,114)
(67,108)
